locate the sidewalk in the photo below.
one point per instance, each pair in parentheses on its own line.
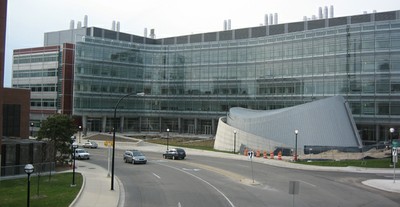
(96,187)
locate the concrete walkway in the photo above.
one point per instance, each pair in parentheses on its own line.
(96,189)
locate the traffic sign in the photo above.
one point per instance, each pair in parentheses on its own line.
(395,143)
(251,154)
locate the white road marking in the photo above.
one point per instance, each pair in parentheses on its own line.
(308,183)
(157,176)
(206,182)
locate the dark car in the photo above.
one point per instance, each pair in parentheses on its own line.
(175,153)
(134,157)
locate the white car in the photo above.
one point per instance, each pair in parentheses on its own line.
(81,154)
(90,144)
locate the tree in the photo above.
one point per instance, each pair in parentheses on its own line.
(57,130)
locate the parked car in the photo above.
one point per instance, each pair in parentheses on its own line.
(81,154)
(134,157)
(90,144)
(175,153)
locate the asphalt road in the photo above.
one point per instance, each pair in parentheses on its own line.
(210,181)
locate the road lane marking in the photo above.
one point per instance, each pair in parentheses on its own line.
(308,183)
(204,181)
(156,176)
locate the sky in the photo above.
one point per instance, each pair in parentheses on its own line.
(28,20)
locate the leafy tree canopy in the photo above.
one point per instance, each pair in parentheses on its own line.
(58,129)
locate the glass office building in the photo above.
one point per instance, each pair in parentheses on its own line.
(190,81)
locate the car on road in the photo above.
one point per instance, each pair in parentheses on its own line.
(90,144)
(134,157)
(81,154)
(175,153)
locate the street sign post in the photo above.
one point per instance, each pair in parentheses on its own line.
(251,154)
(394,158)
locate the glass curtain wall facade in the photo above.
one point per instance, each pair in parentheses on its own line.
(189,86)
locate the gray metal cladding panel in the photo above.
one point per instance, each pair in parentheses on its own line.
(169,41)
(295,27)
(361,18)
(209,37)
(385,16)
(259,31)
(225,35)
(316,24)
(124,37)
(242,33)
(110,34)
(324,122)
(337,21)
(182,40)
(88,31)
(97,32)
(196,38)
(276,29)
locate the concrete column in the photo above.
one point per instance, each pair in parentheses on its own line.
(122,120)
(179,125)
(160,124)
(140,124)
(84,125)
(377,131)
(104,124)
(213,126)
(195,125)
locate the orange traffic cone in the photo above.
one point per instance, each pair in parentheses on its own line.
(265,154)
(280,155)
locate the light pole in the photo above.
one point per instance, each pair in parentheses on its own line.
(391,130)
(115,128)
(234,141)
(29,170)
(295,145)
(31,129)
(79,133)
(74,146)
(167,138)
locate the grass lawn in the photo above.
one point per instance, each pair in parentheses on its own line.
(202,144)
(56,191)
(370,163)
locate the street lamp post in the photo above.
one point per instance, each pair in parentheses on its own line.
(31,129)
(295,145)
(234,141)
(29,170)
(79,133)
(167,138)
(113,138)
(74,146)
(391,130)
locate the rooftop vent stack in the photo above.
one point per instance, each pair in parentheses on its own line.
(229,24)
(225,25)
(85,21)
(320,16)
(331,12)
(145,32)
(374,11)
(118,26)
(271,19)
(304,18)
(113,26)
(326,12)
(313,17)
(276,18)
(71,24)
(79,25)
(365,12)
(152,34)
(266,19)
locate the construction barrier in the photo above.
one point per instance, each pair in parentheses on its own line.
(245,151)
(280,155)
(258,153)
(265,154)
(271,154)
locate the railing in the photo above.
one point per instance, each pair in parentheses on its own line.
(17,170)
